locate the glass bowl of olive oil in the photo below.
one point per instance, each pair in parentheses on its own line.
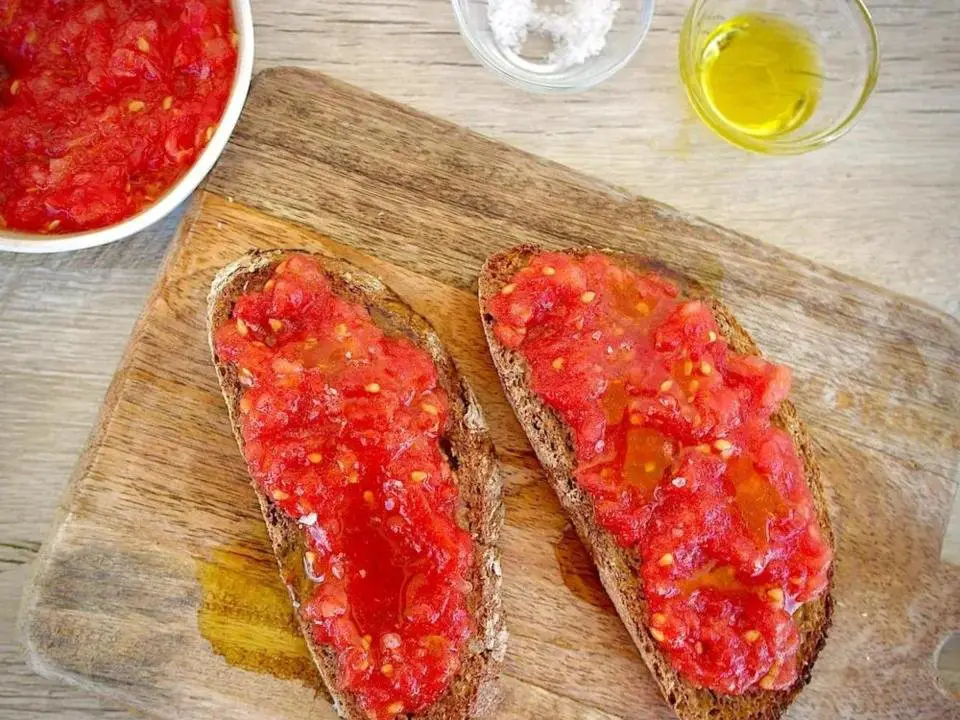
(779,76)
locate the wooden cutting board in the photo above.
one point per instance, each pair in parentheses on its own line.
(157,588)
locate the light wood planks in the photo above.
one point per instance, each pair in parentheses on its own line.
(876,379)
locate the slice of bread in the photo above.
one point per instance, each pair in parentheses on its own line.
(552,441)
(474,691)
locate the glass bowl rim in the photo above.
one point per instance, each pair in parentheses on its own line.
(545,83)
(774,147)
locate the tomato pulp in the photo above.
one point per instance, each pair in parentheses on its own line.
(342,425)
(676,448)
(104,104)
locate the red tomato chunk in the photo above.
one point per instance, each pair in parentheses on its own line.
(676,448)
(104,104)
(341,425)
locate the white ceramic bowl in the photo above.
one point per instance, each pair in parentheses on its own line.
(14,241)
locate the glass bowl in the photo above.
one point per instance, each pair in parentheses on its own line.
(630,26)
(847,42)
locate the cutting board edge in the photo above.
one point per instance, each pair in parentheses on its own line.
(27,615)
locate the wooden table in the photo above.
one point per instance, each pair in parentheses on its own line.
(881,204)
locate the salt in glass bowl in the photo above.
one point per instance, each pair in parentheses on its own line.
(630,26)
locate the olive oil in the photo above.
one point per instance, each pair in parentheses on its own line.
(246,616)
(761,74)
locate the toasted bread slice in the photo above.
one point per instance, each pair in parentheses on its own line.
(552,441)
(474,691)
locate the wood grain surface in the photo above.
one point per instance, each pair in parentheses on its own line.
(879,204)
(141,592)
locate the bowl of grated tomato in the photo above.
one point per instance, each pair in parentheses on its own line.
(112,112)
(554,45)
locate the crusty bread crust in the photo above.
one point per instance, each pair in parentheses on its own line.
(552,441)
(475,691)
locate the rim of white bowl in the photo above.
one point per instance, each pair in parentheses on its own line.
(12,241)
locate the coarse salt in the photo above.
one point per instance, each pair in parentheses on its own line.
(577,28)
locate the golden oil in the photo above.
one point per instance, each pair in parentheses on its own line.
(247,617)
(761,74)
